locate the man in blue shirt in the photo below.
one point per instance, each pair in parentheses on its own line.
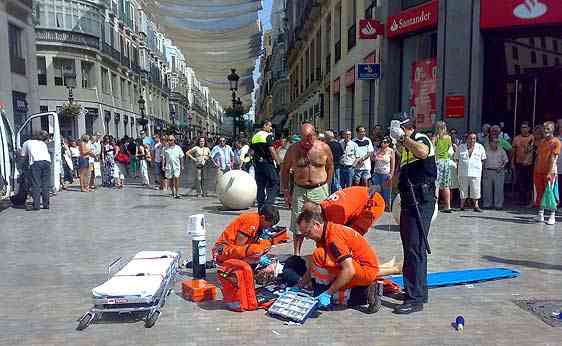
(223,157)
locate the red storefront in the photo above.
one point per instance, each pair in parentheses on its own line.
(523,61)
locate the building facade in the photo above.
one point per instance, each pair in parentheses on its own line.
(18,82)
(463,61)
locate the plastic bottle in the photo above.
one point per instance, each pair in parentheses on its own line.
(459,322)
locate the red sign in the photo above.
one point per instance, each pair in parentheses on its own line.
(510,13)
(454,106)
(337,86)
(421,17)
(423,88)
(370,29)
(350,77)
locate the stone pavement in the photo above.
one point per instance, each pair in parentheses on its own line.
(51,259)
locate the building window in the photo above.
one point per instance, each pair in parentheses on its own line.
(555,44)
(88,77)
(337,34)
(411,3)
(114,85)
(351,31)
(543,42)
(41,70)
(544,60)
(123,89)
(15,39)
(517,69)
(62,67)
(105,81)
(515,52)
(532,41)
(533,57)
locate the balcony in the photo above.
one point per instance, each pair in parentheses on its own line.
(67,37)
(337,52)
(111,52)
(17,65)
(351,37)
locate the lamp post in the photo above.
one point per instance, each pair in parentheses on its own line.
(143,122)
(190,119)
(233,79)
(70,82)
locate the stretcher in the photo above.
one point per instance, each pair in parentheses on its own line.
(140,286)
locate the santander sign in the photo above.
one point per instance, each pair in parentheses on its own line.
(513,13)
(414,19)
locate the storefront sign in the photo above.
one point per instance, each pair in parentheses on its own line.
(414,19)
(423,88)
(368,71)
(350,77)
(510,13)
(370,29)
(454,106)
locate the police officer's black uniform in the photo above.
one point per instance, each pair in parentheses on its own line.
(417,186)
(267,177)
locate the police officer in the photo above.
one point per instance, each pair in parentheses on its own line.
(265,157)
(418,173)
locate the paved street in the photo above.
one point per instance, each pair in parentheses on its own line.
(52,259)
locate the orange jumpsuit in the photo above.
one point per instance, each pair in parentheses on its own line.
(226,246)
(337,244)
(353,207)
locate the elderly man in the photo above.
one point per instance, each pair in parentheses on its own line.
(470,157)
(312,165)
(222,156)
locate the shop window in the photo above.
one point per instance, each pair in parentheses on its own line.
(533,57)
(515,52)
(41,70)
(545,60)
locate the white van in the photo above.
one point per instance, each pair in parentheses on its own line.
(10,145)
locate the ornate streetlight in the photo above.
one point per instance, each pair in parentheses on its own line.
(70,82)
(142,121)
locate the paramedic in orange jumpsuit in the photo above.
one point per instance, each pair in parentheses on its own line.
(352,207)
(242,239)
(342,260)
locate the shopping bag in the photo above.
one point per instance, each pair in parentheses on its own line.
(97,169)
(548,200)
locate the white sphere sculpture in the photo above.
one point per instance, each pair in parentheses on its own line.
(237,190)
(396,207)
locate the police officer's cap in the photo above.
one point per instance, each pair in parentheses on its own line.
(407,119)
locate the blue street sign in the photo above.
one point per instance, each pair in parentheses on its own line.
(368,71)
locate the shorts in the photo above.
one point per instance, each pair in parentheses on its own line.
(361,174)
(444,176)
(83,163)
(172,172)
(300,194)
(469,187)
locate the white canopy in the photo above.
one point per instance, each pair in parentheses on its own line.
(215,37)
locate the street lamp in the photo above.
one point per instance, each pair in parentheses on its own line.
(190,119)
(143,122)
(70,82)
(233,79)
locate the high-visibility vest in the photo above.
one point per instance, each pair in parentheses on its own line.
(407,157)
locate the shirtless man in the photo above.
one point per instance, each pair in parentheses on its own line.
(312,164)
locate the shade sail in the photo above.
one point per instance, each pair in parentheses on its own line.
(215,36)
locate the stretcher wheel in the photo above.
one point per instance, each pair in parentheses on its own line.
(151,319)
(85,321)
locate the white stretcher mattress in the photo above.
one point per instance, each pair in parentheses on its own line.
(142,277)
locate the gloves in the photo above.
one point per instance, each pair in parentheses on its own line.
(325,299)
(396,132)
(267,234)
(264,261)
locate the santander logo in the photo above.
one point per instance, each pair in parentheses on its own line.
(403,23)
(368,30)
(530,9)
(394,26)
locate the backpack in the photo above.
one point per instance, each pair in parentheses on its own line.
(236,281)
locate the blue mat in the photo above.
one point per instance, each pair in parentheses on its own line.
(461,277)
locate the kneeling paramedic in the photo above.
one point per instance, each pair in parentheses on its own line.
(418,172)
(352,207)
(343,267)
(248,238)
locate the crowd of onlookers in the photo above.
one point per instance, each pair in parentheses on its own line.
(473,168)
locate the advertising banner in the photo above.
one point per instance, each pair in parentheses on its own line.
(454,106)
(423,90)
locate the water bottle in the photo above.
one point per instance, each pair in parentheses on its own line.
(459,322)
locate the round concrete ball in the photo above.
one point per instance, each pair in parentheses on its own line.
(237,190)
(396,207)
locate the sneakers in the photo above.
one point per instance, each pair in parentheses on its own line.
(374,297)
(540,218)
(551,220)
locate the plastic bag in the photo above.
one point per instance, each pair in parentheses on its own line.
(548,200)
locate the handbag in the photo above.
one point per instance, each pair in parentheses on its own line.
(123,158)
(549,200)
(97,169)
